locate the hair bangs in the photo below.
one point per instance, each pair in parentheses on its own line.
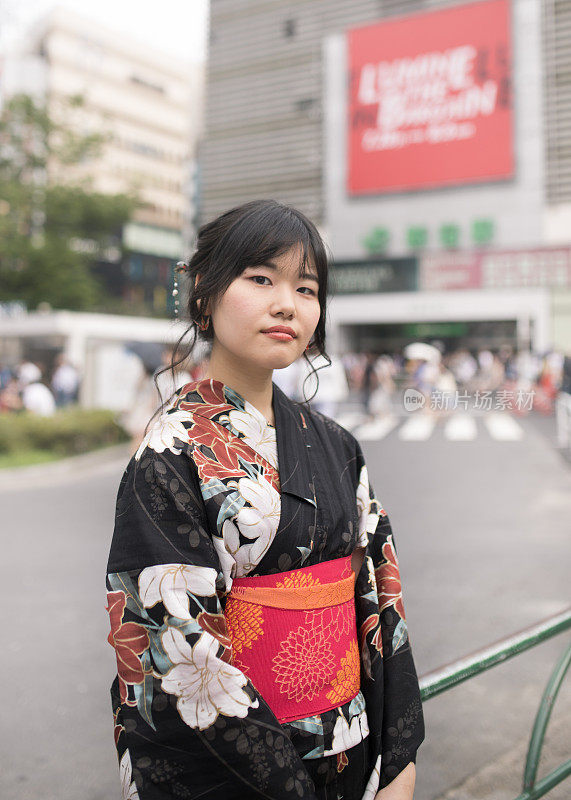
(264,233)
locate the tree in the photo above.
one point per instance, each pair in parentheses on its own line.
(52,233)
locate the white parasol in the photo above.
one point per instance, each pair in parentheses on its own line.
(422,352)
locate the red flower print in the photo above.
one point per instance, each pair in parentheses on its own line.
(342,761)
(368,625)
(130,640)
(214,401)
(215,625)
(388,580)
(377,640)
(216,437)
(211,468)
(226,448)
(117,727)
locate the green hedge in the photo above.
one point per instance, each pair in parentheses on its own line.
(67,432)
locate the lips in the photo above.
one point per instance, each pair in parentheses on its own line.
(281,331)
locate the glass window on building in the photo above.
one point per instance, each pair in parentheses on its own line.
(160,299)
(135,267)
(289,28)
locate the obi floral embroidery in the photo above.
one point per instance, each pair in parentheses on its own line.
(214,496)
(303,656)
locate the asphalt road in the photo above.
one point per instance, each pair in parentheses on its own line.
(483,536)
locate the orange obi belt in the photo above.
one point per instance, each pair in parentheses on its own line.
(294,635)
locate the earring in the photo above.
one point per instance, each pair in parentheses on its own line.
(204,323)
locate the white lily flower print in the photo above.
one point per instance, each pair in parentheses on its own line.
(372,786)
(256,432)
(238,560)
(347,735)
(227,547)
(128,787)
(368,520)
(257,521)
(170,583)
(205,685)
(163,433)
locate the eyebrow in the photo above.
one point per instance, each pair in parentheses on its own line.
(311,276)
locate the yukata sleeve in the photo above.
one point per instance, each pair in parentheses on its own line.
(187,722)
(385,647)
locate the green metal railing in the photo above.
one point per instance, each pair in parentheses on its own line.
(444,678)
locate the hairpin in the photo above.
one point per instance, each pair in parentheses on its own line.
(181,266)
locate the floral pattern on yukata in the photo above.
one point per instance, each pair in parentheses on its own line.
(214,493)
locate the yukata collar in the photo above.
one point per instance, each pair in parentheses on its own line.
(294,466)
(296,476)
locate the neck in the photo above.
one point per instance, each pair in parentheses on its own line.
(254,385)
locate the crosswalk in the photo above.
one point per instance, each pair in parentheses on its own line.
(418,427)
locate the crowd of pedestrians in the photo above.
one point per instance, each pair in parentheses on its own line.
(531,380)
(376,380)
(30,386)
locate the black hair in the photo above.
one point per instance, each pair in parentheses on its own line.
(244,236)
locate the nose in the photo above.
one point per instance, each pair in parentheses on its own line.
(283,301)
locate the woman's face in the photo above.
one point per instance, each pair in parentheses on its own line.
(261,299)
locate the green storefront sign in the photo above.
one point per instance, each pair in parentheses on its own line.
(421,330)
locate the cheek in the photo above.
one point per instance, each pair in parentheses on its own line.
(236,309)
(313,317)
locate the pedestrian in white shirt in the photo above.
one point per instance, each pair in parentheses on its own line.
(36,397)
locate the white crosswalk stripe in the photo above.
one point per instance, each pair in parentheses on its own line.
(417,427)
(461,428)
(351,419)
(503,427)
(378,429)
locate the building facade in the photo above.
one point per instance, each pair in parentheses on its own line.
(492,214)
(148,107)
(264,108)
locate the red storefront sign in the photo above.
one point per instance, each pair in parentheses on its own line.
(496,269)
(430,100)
(455,270)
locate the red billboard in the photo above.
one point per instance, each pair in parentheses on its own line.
(430,100)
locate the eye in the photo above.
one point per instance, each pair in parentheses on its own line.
(259,279)
(307,290)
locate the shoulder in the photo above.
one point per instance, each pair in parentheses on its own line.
(308,417)
(168,432)
(339,448)
(329,427)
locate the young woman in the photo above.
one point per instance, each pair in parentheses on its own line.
(253,586)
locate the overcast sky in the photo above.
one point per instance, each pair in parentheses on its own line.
(169,26)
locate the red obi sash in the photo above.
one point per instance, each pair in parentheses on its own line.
(294,635)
